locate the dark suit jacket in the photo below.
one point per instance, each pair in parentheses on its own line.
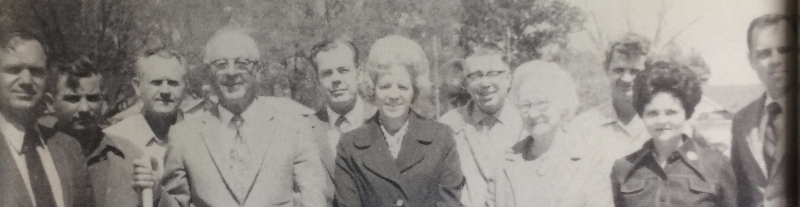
(748,174)
(426,173)
(66,153)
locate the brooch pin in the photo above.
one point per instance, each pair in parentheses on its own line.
(691,155)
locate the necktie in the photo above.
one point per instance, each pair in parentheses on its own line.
(239,155)
(771,136)
(342,124)
(42,192)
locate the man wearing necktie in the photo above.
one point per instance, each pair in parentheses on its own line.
(337,65)
(37,168)
(762,148)
(246,151)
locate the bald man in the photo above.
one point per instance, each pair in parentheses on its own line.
(247,151)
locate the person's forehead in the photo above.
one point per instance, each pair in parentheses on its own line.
(28,52)
(336,57)
(772,35)
(627,61)
(87,85)
(232,45)
(154,67)
(485,62)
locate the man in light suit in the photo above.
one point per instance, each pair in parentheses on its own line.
(487,127)
(336,63)
(761,151)
(37,166)
(246,151)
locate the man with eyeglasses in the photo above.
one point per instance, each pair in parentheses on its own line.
(487,127)
(159,82)
(247,150)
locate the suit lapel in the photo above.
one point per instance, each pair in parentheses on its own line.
(58,155)
(12,179)
(749,129)
(323,133)
(377,157)
(259,145)
(412,150)
(218,150)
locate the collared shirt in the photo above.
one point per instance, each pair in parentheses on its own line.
(15,139)
(691,176)
(229,132)
(757,142)
(136,130)
(613,138)
(395,141)
(355,118)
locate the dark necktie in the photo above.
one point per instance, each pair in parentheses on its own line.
(42,192)
(771,136)
(341,124)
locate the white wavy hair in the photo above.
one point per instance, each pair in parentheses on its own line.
(551,79)
(396,50)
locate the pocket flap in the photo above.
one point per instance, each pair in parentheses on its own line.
(632,186)
(702,186)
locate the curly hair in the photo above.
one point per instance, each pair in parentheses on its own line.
(394,50)
(559,86)
(78,68)
(667,77)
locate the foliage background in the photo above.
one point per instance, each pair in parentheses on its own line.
(112,31)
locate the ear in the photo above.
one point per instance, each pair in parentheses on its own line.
(135,83)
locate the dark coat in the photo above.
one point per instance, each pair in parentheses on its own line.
(426,172)
(749,175)
(66,153)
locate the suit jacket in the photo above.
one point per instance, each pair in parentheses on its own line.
(320,124)
(426,172)
(755,187)
(197,173)
(66,152)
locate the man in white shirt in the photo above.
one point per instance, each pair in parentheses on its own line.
(337,65)
(37,169)
(763,149)
(487,127)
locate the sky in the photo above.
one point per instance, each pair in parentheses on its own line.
(716,28)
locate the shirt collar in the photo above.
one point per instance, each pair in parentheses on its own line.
(607,113)
(354,115)
(400,133)
(686,152)
(145,135)
(14,136)
(506,114)
(106,145)
(769,100)
(248,114)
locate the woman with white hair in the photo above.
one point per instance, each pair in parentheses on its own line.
(548,167)
(398,158)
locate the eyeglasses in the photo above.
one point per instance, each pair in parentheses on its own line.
(238,64)
(480,75)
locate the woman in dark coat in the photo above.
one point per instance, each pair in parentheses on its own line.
(398,158)
(671,169)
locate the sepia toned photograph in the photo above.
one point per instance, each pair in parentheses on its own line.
(390,103)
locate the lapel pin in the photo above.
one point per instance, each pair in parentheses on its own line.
(691,155)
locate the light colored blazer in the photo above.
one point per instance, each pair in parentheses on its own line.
(196,172)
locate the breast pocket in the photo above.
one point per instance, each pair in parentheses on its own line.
(632,187)
(701,193)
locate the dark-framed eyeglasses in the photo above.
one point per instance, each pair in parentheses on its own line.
(238,63)
(480,75)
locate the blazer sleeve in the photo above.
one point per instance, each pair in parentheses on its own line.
(175,184)
(451,180)
(308,170)
(344,177)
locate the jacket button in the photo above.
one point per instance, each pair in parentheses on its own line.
(399,202)
(663,199)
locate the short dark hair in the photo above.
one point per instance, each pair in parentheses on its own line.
(667,77)
(630,44)
(74,70)
(769,20)
(10,29)
(328,45)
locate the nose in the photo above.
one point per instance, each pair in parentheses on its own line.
(776,59)
(25,78)
(336,82)
(165,95)
(627,77)
(83,106)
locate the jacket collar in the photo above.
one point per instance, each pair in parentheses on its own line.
(414,124)
(687,153)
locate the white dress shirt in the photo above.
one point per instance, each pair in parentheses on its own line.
(354,119)
(136,130)
(14,138)
(395,141)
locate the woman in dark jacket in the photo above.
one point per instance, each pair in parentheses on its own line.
(671,169)
(398,158)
